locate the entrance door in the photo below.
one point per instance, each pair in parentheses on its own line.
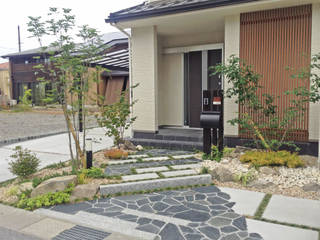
(194,66)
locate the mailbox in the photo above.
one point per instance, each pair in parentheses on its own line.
(211,119)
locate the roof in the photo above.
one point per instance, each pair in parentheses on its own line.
(110,39)
(4,66)
(165,7)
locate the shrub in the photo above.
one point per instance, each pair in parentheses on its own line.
(46,200)
(216,155)
(280,158)
(25,163)
(116,154)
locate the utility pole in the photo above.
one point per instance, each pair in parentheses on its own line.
(19,41)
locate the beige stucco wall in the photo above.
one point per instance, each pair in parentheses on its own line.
(314,115)
(171,103)
(232,46)
(194,39)
(145,73)
(4,83)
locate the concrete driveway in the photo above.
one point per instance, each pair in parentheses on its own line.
(50,150)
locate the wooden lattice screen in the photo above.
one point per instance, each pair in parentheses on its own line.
(271,41)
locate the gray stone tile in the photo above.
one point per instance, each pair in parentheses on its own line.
(240,223)
(208,189)
(210,232)
(194,216)
(159,206)
(171,232)
(220,221)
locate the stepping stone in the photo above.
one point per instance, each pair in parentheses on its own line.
(294,210)
(179,173)
(247,202)
(137,177)
(137,156)
(154,169)
(186,166)
(163,158)
(183,156)
(271,231)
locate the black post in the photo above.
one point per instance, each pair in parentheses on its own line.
(207,140)
(89,152)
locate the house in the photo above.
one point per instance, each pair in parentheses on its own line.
(114,58)
(4,83)
(174,41)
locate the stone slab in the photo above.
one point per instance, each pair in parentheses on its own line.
(294,210)
(183,156)
(186,166)
(179,173)
(137,156)
(152,169)
(137,177)
(155,184)
(47,227)
(247,202)
(148,159)
(271,231)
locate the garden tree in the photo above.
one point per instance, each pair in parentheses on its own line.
(272,132)
(69,68)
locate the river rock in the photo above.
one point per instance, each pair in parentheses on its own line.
(54,185)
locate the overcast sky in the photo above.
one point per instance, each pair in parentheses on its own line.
(16,12)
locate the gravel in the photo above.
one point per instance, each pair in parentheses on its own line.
(279,180)
(31,124)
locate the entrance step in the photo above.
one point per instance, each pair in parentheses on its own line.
(168,144)
(194,136)
(104,223)
(155,184)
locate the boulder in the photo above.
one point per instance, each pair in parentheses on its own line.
(54,185)
(311,187)
(84,191)
(241,149)
(222,174)
(129,145)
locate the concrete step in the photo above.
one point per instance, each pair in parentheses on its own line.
(179,173)
(155,184)
(169,137)
(138,177)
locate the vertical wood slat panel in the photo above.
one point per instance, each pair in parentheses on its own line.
(271,41)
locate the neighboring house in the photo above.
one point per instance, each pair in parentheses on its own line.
(4,83)
(174,41)
(23,75)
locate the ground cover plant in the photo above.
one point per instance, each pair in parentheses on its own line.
(279,158)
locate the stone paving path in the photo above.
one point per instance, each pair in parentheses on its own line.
(198,213)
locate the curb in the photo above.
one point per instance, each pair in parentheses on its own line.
(155,184)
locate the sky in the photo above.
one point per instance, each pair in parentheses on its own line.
(16,12)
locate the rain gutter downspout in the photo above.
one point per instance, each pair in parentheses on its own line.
(130,68)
